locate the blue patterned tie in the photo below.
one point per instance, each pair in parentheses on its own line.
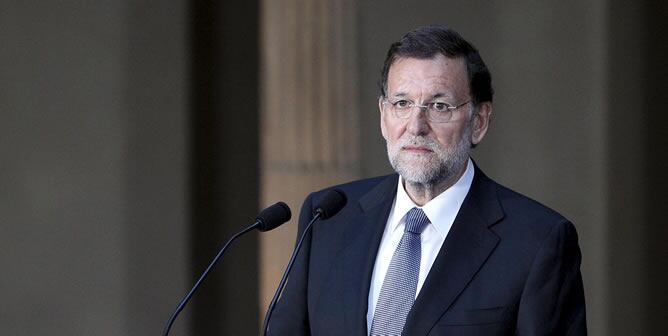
(398,292)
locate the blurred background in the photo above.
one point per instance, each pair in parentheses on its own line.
(137,136)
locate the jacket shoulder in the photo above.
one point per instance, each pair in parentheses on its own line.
(524,214)
(513,201)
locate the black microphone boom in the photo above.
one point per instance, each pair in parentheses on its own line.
(329,205)
(268,219)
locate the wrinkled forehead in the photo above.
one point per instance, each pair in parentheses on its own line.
(438,76)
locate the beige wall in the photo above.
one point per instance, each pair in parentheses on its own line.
(93,172)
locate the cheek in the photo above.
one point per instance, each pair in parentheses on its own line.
(450,136)
(391,131)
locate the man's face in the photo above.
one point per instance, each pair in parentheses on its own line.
(422,151)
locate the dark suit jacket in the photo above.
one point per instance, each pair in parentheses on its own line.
(509,265)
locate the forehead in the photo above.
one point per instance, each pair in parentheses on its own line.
(438,75)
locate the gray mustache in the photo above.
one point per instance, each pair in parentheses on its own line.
(418,141)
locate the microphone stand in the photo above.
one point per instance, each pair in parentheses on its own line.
(281,284)
(204,275)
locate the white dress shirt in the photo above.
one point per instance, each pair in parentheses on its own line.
(441,212)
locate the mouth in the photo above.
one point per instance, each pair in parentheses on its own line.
(416,149)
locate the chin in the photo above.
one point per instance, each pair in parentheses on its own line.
(421,174)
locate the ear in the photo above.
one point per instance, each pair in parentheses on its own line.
(383,131)
(480,123)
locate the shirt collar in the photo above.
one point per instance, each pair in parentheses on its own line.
(441,210)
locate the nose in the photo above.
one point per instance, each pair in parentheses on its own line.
(417,122)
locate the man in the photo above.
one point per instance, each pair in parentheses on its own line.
(439,248)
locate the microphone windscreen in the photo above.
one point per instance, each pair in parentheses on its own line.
(330,203)
(273,216)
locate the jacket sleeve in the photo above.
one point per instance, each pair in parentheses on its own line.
(290,315)
(552,301)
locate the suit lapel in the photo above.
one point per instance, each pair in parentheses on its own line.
(466,248)
(362,238)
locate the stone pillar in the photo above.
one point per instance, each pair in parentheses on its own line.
(309,115)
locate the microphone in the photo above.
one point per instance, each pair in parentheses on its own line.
(272,217)
(268,219)
(329,205)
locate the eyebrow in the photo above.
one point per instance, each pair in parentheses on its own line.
(438,95)
(441,95)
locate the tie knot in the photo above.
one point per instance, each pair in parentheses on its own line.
(416,221)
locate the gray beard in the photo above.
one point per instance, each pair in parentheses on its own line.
(448,162)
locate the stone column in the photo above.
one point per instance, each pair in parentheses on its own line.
(309,115)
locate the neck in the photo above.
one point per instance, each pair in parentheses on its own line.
(421,193)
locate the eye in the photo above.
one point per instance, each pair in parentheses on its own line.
(440,107)
(402,104)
